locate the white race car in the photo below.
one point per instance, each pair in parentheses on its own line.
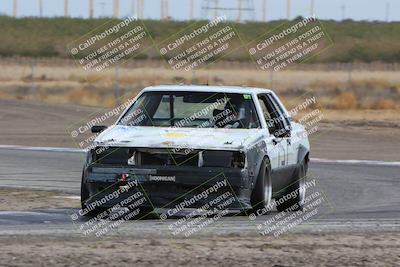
(172,142)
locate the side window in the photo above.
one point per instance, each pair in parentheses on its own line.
(264,108)
(281,112)
(272,115)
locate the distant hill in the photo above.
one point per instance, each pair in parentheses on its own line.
(48,37)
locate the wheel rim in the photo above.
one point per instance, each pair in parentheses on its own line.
(267,190)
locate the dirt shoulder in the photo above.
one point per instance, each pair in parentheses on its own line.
(347,142)
(351,134)
(335,249)
(27,200)
(39,124)
(342,248)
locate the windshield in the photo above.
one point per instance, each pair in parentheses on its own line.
(192,109)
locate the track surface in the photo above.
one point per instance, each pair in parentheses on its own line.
(359,195)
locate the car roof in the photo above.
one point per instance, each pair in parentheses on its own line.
(208,88)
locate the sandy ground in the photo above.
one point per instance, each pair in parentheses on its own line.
(352,134)
(334,249)
(39,124)
(348,134)
(344,248)
(25,200)
(352,141)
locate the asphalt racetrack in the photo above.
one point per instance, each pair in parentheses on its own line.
(358,196)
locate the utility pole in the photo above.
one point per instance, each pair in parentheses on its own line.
(164,9)
(65,8)
(191,10)
(15,8)
(90,8)
(387,11)
(343,7)
(116,8)
(40,8)
(264,10)
(216,9)
(140,9)
(103,9)
(288,9)
(239,18)
(133,8)
(312,8)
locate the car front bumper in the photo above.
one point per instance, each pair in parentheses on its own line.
(184,183)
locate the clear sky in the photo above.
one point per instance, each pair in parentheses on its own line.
(179,9)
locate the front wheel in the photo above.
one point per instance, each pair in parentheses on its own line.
(84,197)
(262,192)
(84,192)
(296,193)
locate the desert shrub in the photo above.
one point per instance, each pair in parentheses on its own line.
(346,100)
(384,104)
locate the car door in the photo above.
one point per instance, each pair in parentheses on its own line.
(278,127)
(291,144)
(277,154)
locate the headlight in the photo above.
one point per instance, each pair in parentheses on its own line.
(238,160)
(111,155)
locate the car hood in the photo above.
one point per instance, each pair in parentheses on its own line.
(168,137)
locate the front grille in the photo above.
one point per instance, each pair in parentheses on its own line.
(167,157)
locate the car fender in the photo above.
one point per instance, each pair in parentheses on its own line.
(303,153)
(254,157)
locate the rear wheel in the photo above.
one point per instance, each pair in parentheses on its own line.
(262,192)
(296,192)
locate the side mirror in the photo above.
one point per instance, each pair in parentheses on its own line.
(98,129)
(271,125)
(288,132)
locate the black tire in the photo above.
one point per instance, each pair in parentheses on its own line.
(296,203)
(84,192)
(262,192)
(85,196)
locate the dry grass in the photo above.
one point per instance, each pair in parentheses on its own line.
(345,100)
(385,104)
(364,89)
(24,199)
